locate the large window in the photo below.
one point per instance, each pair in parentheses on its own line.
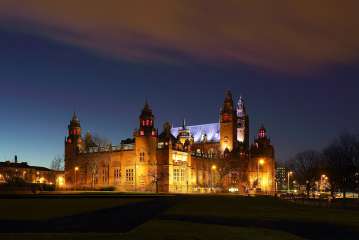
(117,175)
(105,174)
(178,175)
(129,175)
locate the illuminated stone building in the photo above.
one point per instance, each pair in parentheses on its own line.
(201,158)
(30,174)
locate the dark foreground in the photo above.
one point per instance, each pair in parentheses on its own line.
(116,216)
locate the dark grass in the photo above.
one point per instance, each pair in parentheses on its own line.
(231,212)
(116,219)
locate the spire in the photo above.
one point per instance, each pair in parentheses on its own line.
(228,95)
(147,121)
(74,117)
(184,124)
(241,109)
(146,111)
(228,103)
(75,122)
(147,107)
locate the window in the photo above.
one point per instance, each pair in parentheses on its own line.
(117,175)
(105,174)
(129,175)
(178,175)
(142,156)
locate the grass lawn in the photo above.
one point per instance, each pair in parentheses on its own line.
(170,230)
(194,217)
(46,208)
(262,208)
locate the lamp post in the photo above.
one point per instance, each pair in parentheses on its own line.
(76,170)
(290,173)
(260,163)
(213,168)
(357,182)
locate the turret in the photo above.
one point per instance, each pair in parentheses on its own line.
(262,162)
(242,124)
(73,144)
(262,146)
(74,130)
(228,122)
(184,134)
(147,122)
(146,136)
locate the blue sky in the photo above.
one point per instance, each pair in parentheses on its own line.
(304,101)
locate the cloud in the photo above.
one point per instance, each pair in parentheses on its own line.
(276,35)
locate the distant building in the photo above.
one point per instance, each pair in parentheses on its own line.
(32,174)
(282,178)
(196,158)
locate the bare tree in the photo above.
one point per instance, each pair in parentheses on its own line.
(93,169)
(339,159)
(57,163)
(101,141)
(306,167)
(89,142)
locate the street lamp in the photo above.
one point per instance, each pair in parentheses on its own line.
(76,169)
(290,173)
(260,163)
(214,168)
(323,180)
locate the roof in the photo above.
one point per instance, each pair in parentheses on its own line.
(198,131)
(8,164)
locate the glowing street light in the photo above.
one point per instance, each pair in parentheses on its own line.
(76,170)
(290,173)
(260,163)
(214,168)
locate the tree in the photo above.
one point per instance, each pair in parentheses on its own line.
(339,159)
(101,141)
(57,163)
(89,142)
(305,166)
(93,169)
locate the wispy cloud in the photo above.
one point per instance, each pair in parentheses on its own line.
(277,35)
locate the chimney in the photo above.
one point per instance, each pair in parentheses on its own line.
(15,158)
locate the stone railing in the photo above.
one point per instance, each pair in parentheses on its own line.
(109,148)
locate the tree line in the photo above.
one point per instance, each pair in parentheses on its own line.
(339,161)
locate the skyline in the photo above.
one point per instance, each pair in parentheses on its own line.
(44,78)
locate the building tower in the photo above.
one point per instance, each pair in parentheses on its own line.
(242,124)
(262,162)
(184,134)
(73,143)
(145,148)
(228,124)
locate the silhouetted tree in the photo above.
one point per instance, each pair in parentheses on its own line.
(306,167)
(57,163)
(93,169)
(89,141)
(101,141)
(339,159)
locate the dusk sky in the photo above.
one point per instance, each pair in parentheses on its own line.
(296,66)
